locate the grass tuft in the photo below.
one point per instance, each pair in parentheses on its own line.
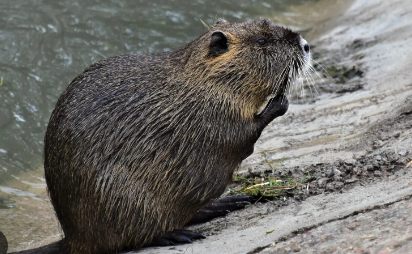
(267,187)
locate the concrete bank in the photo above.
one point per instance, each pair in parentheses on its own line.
(358,126)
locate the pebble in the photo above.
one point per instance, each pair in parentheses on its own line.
(328,172)
(345,230)
(352,180)
(350,161)
(377,173)
(362,251)
(334,186)
(377,144)
(336,171)
(402,152)
(322,182)
(353,225)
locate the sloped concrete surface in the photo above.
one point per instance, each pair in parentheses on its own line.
(361,128)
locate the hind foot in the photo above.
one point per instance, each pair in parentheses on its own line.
(221,207)
(177,236)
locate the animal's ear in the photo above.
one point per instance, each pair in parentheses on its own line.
(218,43)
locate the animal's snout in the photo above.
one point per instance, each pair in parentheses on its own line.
(306,48)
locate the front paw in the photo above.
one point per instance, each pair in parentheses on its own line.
(276,107)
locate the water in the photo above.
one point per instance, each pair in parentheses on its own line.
(44,44)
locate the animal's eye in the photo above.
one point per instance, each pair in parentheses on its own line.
(262,42)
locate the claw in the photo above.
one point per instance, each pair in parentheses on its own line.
(177,236)
(221,207)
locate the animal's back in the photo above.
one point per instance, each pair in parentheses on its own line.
(121,142)
(136,145)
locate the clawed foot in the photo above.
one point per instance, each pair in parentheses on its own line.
(221,207)
(276,107)
(175,237)
(215,209)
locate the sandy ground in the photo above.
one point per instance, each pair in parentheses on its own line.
(353,137)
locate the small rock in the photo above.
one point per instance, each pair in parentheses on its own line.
(353,225)
(334,249)
(328,172)
(345,230)
(322,182)
(402,152)
(365,173)
(334,186)
(350,161)
(329,186)
(377,144)
(392,156)
(296,249)
(377,173)
(352,180)
(369,167)
(362,251)
(336,171)
(348,169)
(378,157)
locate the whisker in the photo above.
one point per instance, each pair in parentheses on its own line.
(325,71)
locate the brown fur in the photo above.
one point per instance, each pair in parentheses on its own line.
(136,145)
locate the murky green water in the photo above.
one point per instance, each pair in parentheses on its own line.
(44,44)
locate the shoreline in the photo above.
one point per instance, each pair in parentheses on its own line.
(331,127)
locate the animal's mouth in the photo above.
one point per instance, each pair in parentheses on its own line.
(281,89)
(285,80)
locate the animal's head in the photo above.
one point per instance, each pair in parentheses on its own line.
(251,60)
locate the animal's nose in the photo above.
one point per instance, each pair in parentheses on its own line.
(305,45)
(306,48)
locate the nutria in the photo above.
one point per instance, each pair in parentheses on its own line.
(137,144)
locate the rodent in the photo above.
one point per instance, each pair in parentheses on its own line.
(137,144)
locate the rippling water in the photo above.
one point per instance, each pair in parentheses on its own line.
(44,44)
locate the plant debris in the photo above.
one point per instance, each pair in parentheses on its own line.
(267,187)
